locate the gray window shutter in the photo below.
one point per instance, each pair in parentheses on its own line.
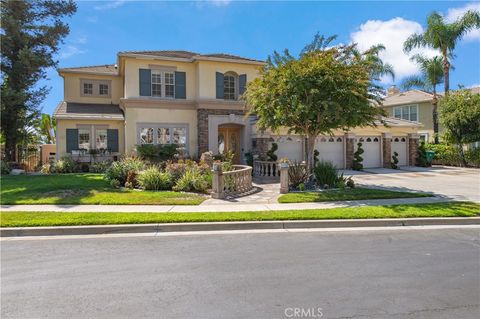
(112,140)
(219,78)
(72,139)
(180,85)
(242,83)
(145,76)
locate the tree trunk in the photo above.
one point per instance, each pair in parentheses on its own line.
(10,148)
(310,148)
(435,115)
(462,155)
(446,71)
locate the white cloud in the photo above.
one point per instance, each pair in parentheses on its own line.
(81,39)
(110,5)
(392,34)
(455,13)
(69,51)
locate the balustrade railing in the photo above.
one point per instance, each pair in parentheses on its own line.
(231,183)
(266,169)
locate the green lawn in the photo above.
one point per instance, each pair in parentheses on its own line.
(451,209)
(82,189)
(345,194)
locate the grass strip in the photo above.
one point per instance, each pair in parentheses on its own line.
(346,194)
(449,209)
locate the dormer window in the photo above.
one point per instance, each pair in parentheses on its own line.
(103,89)
(88,88)
(230,86)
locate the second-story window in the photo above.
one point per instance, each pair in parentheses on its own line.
(103,89)
(88,88)
(229,87)
(156,83)
(169,84)
(163,84)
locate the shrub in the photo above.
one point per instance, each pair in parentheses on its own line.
(154,179)
(207,158)
(301,187)
(271,153)
(422,156)
(131,181)
(249,158)
(297,174)
(66,164)
(349,182)
(326,174)
(394,160)
(357,158)
(157,152)
(46,168)
(119,170)
(99,167)
(193,180)
(4,168)
(473,156)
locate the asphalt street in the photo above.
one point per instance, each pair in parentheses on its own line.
(421,273)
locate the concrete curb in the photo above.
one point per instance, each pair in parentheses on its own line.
(226,226)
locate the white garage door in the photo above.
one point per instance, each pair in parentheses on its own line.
(399,145)
(371,147)
(330,150)
(290,147)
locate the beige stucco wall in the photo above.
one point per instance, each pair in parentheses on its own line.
(135,115)
(72,89)
(62,126)
(46,149)
(207,75)
(394,130)
(132,81)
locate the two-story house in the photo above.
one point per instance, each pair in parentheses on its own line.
(193,100)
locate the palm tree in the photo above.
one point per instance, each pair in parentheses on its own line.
(431,74)
(443,36)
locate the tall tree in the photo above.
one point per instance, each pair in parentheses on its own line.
(443,36)
(431,74)
(31,34)
(460,116)
(325,89)
(47,128)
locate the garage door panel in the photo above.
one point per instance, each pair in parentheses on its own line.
(399,145)
(331,149)
(290,147)
(372,148)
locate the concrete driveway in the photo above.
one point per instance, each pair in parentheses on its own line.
(451,182)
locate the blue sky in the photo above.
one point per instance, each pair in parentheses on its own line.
(100,29)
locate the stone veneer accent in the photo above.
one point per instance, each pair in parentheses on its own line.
(349,150)
(387,150)
(412,149)
(202,120)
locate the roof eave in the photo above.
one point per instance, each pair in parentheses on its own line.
(154,57)
(60,71)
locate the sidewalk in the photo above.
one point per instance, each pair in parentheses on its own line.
(217,207)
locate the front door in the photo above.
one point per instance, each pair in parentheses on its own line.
(229,140)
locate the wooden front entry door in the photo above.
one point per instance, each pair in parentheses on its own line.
(229,140)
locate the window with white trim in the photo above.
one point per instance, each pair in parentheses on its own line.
(101,139)
(84,138)
(229,87)
(163,84)
(88,88)
(163,134)
(407,112)
(103,89)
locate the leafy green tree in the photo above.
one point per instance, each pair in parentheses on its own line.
(431,74)
(30,37)
(460,116)
(47,128)
(444,36)
(325,89)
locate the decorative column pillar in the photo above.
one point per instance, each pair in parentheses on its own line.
(284,178)
(413,140)
(387,150)
(260,146)
(218,190)
(349,150)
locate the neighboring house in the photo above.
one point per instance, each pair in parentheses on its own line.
(412,105)
(193,100)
